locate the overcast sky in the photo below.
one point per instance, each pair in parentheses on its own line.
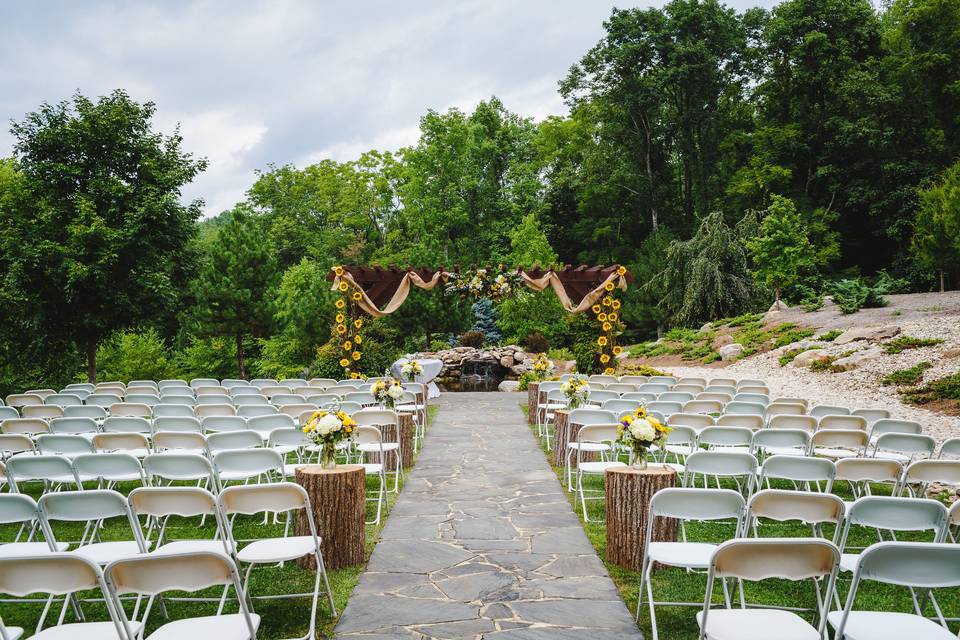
(285,81)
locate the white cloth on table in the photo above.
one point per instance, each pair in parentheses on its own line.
(431,369)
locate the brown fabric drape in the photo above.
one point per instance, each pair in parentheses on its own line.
(550,279)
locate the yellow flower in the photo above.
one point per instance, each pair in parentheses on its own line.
(612,317)
(347,346)
(622,271)
(608,286)
(602,317)
(343,286)
(358,323)
(338,271)
(341,329)
(339,304)
(344,363)
(609,370)
(616,304)
(355,355)
(357,339)
(607,326)
(641,412)
(354,376)
(339,318)
(604,358)
(617,350)
(356,295)
(595,308)
(602,341)
(607,301)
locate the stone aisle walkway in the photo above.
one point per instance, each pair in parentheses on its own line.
(483,544)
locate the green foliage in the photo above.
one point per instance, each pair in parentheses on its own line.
(902,343)
(560,353)
(789,336)
(936,227)
(536,343)
(473,339)
(92,231)
(207,358)
(908,376)
(525,379)
(781,252)
(587,355)
(946,388)
(280,357)
(853,294)
(485,321)
(326,362)
(134,355)
(826,364)
(830,336)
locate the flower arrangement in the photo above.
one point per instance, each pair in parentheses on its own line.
(387,392)
(483,283)
(326,429)
(638,432)
(543,368)
(410,370)
(348,323)
(576,391)
(607,313)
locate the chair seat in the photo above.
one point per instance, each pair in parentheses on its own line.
(227,627)
(599,467)
(276,549)
(189,546)
(375,448)
(756,624)
(849,561)
(552,406)
(290,470)
(83,631)
(784,451)
(588,446)
(679,449)
(691,555)
(885,625)
(21,549)
(890,455)
(104,553)
(835,453)
(372,468)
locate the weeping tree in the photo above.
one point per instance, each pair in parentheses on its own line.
(707,276)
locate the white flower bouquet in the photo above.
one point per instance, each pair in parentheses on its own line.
(410,370)
(326,429)
(576,391)
(387,392)
(638,432)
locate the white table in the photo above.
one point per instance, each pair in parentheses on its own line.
(431,369)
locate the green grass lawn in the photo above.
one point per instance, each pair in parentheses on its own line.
(287,618)
(678,585)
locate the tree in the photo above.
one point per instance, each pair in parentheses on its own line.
(96,237)
(936,231)
(781,251)
(235,282)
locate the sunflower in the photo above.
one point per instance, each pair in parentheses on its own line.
(338,271)
(358,323)
(355,376)
(607,326)
(341,329)
(602,317)
(355,355)
(595,308)
(344,363)
(609,370)
(356,295)
(612,317)
(602,341)
(616,304)
(607,301)
(347,346)
(609,286)
(621,271)
(339,304)
(357,339)
(343,286)
(604,358)
(617,350)
(340,318)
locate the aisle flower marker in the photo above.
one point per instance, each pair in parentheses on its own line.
(543,368)
(327,429)
(410,370)
(387,392)
(638,431)
(576,391)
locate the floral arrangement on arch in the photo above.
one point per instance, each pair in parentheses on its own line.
(387,392)
(638,432)
(348,323)
(607,313)
(543,368)
(576,391)
(495,285)
(410,370)
(327,429)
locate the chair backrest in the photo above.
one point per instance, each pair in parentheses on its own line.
(803,506)
(177,423)
(666,408)
(6,413)
(350,408)
(715,396)
(820,410)
(292,437)
(148,399)
(602,378)
(17,508)
(806,423)
(73,425)
(47,411)
(945,472)
(84,506)
(114,466)
(376,417)
(725,437)
(598,433)
(620,407)
(122,441)
(25,426)
(627,379)
(217,409)
(211,390)
(667,380)
(896,514)
(687,388)
(176,399)
(675,396)
(217,424)
(697,504)
(642,396)
(127,424)
(696,421)
(265,424)
(204,382)
(14,443)
(63,444)
(779,408)
(702,406)
(781,439)
(173,440)
(872,415)
(842,422)
(621,387)
(598,397)
(249,462)
(909,444)
(227,440)
(172,382)
(130,410)
(950,448)
(890,425)
(247,400)
(54,574)
(727,390)
(296,410)
(868,470)
(23,399)
(744,408)
(178,466)
(259,498)
(653,387)
(85,411)
(750,421)
(721,463)
(105,400)
(322,383)
(63,399)
(585,416)
(759,398)
(700,382)
(799,469)
(253,410)
(281,399)
(854,439)
(80,393)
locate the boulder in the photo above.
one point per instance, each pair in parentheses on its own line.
(507,361)
(857,359)
(806,358)
(508,385)
(520,369)
(731,351)
(722,341)
(706,327)
(773,313)
(871,334)
(951,353)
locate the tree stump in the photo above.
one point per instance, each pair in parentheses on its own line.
(533,399)
(389,434)
(563,433)
(628,494)
(338,497)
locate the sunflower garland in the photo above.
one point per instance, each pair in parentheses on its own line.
(348,325)
(607,314)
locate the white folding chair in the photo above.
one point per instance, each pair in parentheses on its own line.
(283,497)
(203,410)
(774,442)
(261,465)
(223,424)
(750,421)
(915,565)
(180,467)
(812,509)
(74,426)
(66,445)
(55,472)
(735,407)
(370,440)
(703,406)
(31,538)
(160,504)
(920,474)
(804,472)
(904,447)
(599,434)
(861,473)
(25,426)
(872,415)
(696,421)
(721,464)
(93,507)
(755,560)
(584,417)
(152,575)
(554,399)
(162,411)
(265,424)
(179,424)
(46,412)
(848,423)
(381,418)
(950,449)
(109,468)
(820,410)
(839,443)
(136,444)
(681,442)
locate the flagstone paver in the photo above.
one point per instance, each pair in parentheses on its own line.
(483,544)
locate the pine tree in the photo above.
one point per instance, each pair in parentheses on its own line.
(485,320)
(781,250)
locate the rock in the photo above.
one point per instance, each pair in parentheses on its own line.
(623,354)
(706,327)
(867,333)
(508,385)
(519,369)
(506,362)
(722,341)
(951,353)
(857,359)
(731,351)
(773,313)
(806,358)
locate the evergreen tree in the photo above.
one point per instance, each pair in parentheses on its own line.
(485,320)
(936,231)
(781,251)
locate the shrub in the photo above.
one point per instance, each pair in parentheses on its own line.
(560,354)
(280,357)
(830,336)
(473,339)
(536,343)
(901,344)
(790,354)
(947,388)
(790,335)
(587,357)
(680,334)
(643,370)
(901,377)
(439,345)
(525,379)
(326,363)
(823,365)
(485,321)
(132,355)
(207,357)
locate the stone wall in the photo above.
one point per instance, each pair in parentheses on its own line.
(510,357)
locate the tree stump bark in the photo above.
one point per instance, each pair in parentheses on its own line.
(628,494)
(406,443)
(563,433)
(533,399)
(338,497)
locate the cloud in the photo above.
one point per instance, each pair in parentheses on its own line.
(288,81)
